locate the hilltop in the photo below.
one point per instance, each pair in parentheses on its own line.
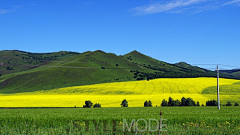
(25,72)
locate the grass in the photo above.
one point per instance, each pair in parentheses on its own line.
(135,92)
(199,120)
(46,77)
(16,61)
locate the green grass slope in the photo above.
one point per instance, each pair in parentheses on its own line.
(233,89)
(162,69)
(87,68)
(233,72)
(16,61)
(146,61)
(188,66)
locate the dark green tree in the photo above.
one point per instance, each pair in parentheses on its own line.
(124,103)
(176,103)
(211,103)
(198,103)
(190,102)
(229,104)
(170,101)
(236,104)
(97,105)
(88,104)
(164,103)
(183,101)
(148,103)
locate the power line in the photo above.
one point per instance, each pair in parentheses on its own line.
(218,64)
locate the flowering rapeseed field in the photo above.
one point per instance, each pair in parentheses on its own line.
(111,94)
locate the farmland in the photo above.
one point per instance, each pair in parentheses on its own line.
(200,120)
(135,92)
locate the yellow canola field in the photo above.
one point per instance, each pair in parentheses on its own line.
(152,87)
(111,94)
(79,100)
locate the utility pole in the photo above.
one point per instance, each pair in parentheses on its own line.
(218,88)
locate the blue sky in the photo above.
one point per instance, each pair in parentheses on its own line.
(193,31)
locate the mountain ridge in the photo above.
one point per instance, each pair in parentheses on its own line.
(65,69)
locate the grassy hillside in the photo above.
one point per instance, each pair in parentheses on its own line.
(187,66)
(82,69)
(233,72)
(17,61)
(136,92)
(162,69)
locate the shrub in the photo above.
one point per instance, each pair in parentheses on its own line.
(190,102)
(88,104)
(236,104)
(211,103)
(229,104)
(183,102)
(148,104)
(124,103)
(164,102)
(97,105)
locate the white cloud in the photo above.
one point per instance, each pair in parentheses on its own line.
(13,8)
(157,8)
(4,11)
(182,6)
(232,2)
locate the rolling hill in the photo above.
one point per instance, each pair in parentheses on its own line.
(44,71)
(233,72)
(17,61)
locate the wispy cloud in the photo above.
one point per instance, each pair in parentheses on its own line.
(12,9)
(232,2)
(158,7)
(4,11)
(180,6)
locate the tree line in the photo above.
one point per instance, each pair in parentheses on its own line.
(171,102)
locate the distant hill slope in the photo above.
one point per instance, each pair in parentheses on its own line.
(162,69)
(233,72)
(66,69)
(188,66)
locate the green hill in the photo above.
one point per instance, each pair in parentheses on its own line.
(45,71)
(188,66)
(17,61)
(82,69)
(233,72)
(160,69)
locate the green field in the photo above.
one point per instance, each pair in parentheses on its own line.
(199,120)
